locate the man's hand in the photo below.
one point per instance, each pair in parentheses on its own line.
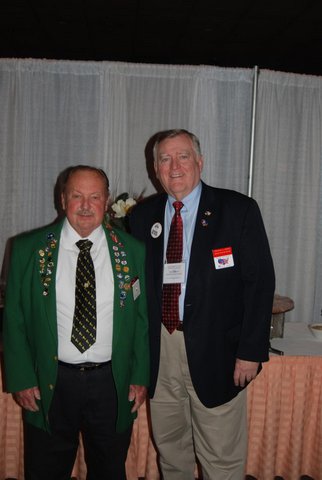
(137,393)
(27,398)
(244,372)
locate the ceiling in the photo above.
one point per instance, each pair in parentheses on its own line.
(283,35)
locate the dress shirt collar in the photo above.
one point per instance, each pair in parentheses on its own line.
(69,237)
(189,202)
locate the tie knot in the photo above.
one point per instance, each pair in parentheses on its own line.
(177,206)
(84,245)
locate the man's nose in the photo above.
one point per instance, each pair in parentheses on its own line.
(175,163)
(85,203)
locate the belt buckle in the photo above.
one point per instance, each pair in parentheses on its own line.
(89,366)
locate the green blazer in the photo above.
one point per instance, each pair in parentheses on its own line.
(30,326)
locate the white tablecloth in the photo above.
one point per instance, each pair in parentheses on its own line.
(297,341)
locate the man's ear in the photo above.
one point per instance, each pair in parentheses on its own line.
(62,201)
(200,162)
(155,165)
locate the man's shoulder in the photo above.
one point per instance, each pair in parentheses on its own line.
(42,234)
(221,192)
(227,196)
(151,202)
(151,209)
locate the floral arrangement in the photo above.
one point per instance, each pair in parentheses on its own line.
(122,205)
(119,210)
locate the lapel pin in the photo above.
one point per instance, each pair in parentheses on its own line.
(156,230)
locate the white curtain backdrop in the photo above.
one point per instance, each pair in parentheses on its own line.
(59,113)
(287,184)
(56,113)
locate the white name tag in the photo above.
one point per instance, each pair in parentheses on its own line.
(136,289)
(174,272)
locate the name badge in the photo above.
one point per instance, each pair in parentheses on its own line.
(174,272)
(136,289)
(223,257)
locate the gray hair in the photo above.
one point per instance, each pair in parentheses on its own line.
(160,136)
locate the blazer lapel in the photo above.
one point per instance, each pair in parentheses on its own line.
(157,245)
(48,252)
(122,275)
(203,239)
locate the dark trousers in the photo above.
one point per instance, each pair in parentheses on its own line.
(86,402)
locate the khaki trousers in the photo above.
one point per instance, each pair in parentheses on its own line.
(183,428)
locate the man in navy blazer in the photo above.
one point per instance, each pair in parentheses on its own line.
(200,370)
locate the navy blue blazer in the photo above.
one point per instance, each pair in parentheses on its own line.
(227,311)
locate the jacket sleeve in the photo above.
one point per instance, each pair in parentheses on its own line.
(259,284)
(18,363)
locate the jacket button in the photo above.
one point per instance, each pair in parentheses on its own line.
(51,387)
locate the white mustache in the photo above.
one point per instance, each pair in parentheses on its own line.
(84,212)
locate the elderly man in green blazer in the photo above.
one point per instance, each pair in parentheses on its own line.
(74,375)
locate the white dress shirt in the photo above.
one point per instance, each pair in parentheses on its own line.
(101,351)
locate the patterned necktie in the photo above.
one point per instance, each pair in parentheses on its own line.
(84,322)
(171,291)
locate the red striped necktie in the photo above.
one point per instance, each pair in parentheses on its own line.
(171,291)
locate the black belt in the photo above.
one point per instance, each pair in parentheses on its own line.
(180,327)
(84,366)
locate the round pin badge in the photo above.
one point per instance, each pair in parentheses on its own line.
(156,230)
